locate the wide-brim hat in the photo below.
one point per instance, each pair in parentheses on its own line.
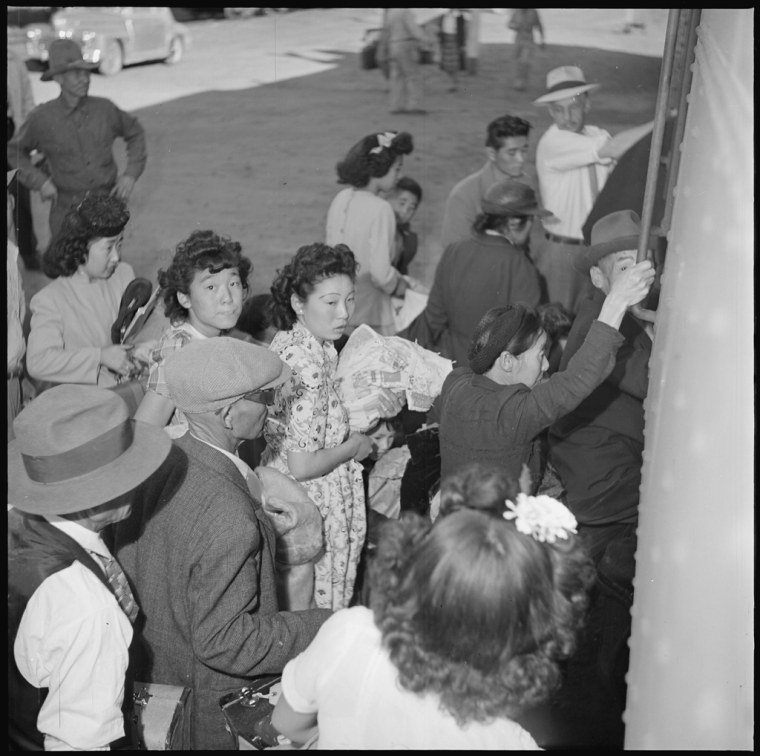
(613,233)
(562,82)
(65,55)
(76,448)
(209,374)
(512,197)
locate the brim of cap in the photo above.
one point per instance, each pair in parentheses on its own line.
(591,255)
(83,65)
(150,447)
(561,94)
(285,373)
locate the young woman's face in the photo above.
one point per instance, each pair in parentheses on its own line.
(328,308)
(531,364)
(388,181)
(103,256)
(215,300)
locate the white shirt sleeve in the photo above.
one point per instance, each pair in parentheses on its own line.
(73,639)
(565,150)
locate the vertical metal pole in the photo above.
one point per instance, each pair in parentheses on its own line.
(661,115)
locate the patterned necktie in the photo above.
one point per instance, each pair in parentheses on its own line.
(118,581)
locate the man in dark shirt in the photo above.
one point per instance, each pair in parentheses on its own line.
(597,448)
(76,134)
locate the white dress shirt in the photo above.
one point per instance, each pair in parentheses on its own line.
(74,639)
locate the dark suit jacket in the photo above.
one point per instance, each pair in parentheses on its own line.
(199,552)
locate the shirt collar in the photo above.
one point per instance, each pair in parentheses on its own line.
(244,469)
(87,539)
(66,108)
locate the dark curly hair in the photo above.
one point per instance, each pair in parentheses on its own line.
(202,250)
(369,157)
(311,264)
(474,611)
(97,216)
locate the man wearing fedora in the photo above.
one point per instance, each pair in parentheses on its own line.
(75,459)
(597,452)
(201,550)
(573,159)
(76,134)
(487,269)
(506,156)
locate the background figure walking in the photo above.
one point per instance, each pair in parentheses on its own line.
(523,22)
(406,38)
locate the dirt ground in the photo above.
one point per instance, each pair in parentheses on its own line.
(259,164)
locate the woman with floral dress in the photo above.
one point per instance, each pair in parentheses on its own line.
(307,432)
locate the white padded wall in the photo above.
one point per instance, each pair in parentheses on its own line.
(691,675)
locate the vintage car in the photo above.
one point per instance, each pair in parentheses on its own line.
(112,36)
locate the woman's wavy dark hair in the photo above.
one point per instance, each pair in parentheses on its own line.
(473,610)
(202,250)
(361,163)
(311,264)
(492,222)
(97,216)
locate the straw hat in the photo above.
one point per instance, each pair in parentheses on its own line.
(65,55)
(562,82)
(76,448)
(209,374)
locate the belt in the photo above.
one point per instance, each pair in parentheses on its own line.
(16,372)
(562,239)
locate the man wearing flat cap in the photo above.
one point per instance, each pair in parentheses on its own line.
(71,470)
(201,551)
(573,159)
(488,269)
(76,134)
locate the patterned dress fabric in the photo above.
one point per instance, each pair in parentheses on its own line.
(308,416)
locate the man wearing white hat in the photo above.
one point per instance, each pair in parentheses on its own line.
(573,159)
(72,468)
(76,133)
(201,550)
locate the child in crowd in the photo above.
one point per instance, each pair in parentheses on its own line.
(361,219)
(469,618)
(404,198)
(203,291)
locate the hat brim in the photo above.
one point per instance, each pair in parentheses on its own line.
(285,373)
(591,255)
(80,64)
(150,447)
(561,94)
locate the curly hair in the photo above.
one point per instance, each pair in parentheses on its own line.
(504,127)
(97,216)
(311,264)
(202,250)
(369,157)
(476,612)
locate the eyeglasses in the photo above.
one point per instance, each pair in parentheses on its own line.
(260,396)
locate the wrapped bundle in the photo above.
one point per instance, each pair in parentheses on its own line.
(376,372)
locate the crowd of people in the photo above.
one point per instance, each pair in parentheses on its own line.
(220,531)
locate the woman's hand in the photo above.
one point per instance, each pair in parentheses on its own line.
(363,446)
(117,358)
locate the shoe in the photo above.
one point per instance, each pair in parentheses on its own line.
(417,111)
(398,112)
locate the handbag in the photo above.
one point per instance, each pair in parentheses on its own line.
(248,712)
(161,717)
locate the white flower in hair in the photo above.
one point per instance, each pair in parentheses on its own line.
(383,141)
(542,517)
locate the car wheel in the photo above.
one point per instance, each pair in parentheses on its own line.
(113,58)
(176,50)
